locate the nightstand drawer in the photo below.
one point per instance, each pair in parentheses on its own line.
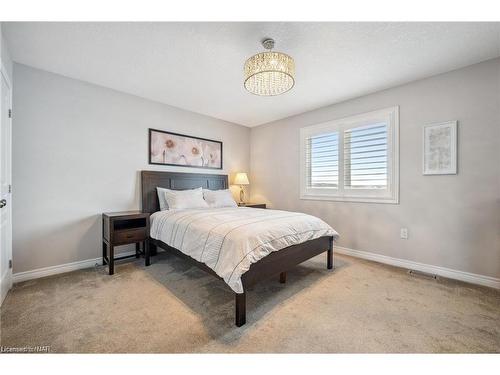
(257,205)
(253,205)
(129,236)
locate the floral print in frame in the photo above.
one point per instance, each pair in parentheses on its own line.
(166,148)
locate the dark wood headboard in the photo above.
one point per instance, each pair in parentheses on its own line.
(175,181)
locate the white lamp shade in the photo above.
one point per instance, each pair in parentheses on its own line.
(241,179)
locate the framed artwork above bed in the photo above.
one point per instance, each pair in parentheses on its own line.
(167,148)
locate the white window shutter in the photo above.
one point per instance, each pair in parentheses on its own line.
(352,159)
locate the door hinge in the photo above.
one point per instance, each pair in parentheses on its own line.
(10,263)
(10,113)
(10,188)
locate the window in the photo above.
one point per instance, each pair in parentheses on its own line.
(352,159)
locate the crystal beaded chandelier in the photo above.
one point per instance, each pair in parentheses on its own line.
(269,73)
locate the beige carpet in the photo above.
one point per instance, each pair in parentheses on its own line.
(171,307)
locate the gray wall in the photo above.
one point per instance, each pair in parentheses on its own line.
(5,54)
(77,152)
(453,221)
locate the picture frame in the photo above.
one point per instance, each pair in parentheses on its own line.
(181,150)
(439,156)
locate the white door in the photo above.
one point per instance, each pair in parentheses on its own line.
(5,187)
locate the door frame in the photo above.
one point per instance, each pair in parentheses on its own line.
(8,279)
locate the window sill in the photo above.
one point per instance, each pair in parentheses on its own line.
(388,200)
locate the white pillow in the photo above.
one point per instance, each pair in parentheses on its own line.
(183,199)
(161,198)
(219,198)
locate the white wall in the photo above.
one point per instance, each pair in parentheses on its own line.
(77,152)
(453,221)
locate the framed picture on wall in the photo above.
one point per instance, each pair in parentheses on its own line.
(440,148)
(166,148)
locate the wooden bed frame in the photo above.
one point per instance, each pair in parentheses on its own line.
(276,263)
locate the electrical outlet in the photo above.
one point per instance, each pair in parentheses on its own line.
(404,233)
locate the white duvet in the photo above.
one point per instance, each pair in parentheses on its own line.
(230,240)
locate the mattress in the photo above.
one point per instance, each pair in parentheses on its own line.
(229,240)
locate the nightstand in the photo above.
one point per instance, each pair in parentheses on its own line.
(123,228)
(253,205)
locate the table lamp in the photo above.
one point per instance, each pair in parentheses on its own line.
(241,179)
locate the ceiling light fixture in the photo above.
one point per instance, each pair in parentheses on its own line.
(269,73)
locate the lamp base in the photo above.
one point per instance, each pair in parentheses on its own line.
(242,196)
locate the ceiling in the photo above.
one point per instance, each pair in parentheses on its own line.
(199,66)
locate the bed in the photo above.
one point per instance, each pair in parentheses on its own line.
(241,246)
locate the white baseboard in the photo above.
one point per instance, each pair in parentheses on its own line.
(4,288)
(472,278)
(62,268)
(435,270)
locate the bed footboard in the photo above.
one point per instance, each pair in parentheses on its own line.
(287,258)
